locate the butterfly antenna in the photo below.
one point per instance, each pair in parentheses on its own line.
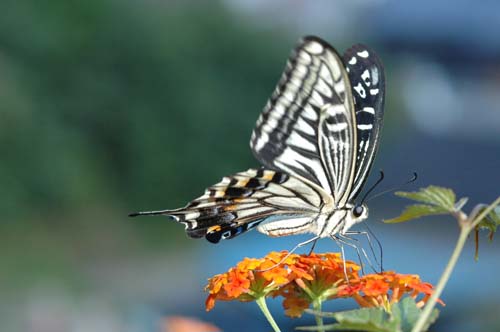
(374,186)
(413,179)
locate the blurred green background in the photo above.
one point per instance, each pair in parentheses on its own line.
(108,107)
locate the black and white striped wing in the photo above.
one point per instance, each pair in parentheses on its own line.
(366,74)
(307,126)
(246,199)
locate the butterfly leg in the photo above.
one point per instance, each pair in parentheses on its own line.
(341,243)
(312,247)
(369,239)
(313,240)
(341,240)
(355,244)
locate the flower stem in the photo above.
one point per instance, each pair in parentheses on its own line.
(319,318)
(424,316)
(261,302)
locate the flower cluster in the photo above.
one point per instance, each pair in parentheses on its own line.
(386,288)
(303,280)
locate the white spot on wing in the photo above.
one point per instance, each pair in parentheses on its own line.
(375,75)
(365,126)
(364,54)
(279,109)
(360,90)
(332,110)
(192,215)
(261,141)
(314,47)
(336,127)
(365,76)
(361,144)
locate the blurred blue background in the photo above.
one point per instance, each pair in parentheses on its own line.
(108,107)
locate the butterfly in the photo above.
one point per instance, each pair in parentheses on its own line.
(316,138)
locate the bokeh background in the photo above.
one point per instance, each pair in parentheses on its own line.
(108,107)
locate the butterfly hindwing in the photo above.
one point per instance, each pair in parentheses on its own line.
(244,200)
(366,74)
(307,126)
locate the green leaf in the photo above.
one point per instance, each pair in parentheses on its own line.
(435,201)
(365,319)
(433,195)
(408,313)
(491,221)
(417,211)
(402,318)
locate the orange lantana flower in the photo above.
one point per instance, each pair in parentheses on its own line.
(304,279)
(386,288)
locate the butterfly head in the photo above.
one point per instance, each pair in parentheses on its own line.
(359,212)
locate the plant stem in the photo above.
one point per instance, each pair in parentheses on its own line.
(319,318)
(424,316)
(466,226)
(261,302)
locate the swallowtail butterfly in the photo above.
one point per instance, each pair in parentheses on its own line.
(316,139)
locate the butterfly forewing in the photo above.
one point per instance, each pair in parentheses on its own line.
(307,126)
(366,74)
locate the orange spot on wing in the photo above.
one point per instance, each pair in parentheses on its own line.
(215,228)
(268,175)
(243,182)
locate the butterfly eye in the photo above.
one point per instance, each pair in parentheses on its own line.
(357,211)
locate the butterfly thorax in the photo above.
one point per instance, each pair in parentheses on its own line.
(339,220)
